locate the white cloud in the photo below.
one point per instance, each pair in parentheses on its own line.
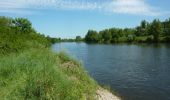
(139,7)
(136,7)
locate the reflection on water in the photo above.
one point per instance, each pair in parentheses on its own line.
(134,71)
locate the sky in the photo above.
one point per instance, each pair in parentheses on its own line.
(71,18)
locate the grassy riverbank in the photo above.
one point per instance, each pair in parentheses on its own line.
(42,74)
(29,70)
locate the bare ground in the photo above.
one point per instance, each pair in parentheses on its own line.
(103,94)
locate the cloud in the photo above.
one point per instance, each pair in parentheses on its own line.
(138,7)
(135,7)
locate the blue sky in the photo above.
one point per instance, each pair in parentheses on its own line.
(69,18)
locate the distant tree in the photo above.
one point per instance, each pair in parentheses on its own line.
(115,33)
(148,25)
(138,31)
(142,29)
(166,27)
(106,35)
(78,38)
(129,31)
(92,36)
(143,24)
(155,29)
(145,32)
(121,33)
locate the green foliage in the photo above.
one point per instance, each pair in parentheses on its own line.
(68,40)
(130,38)
(17,35)
(155,31)
(53,40)
(23,25)
(150,39)
(110,35)
(92,36)
(78,39)
(143,24)
(43,75)
(106,36)
(166,27)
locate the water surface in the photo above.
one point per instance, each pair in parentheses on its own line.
(133,71)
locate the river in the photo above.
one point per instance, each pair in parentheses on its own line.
(133,71)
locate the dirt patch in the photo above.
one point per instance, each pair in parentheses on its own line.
(103,94)
(73,78)
(68,65)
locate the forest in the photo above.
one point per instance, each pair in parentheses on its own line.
(147,32)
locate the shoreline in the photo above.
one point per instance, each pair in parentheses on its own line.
(104,94)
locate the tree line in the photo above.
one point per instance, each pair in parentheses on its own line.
(55,40)
(155,31)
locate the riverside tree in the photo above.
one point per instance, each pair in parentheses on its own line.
(155,29)
(92,36)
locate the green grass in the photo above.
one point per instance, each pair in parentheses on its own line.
(141,39)
(41,74)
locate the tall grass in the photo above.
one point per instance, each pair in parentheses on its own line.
(42,74)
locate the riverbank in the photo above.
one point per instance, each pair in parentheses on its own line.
(103,94)
(42,74)
(30,70)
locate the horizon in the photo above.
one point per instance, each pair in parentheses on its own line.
(71,18)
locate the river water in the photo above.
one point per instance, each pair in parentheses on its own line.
(133,71)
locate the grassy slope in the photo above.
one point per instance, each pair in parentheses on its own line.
(31,71)
(42,74)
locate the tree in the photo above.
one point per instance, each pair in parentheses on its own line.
(23,25)
(92,36)
(78,38)
(166,27)
(106,35)
(143,24)
(12,41)
(145,32)
(115,33)
(138,31)
(155,29)
(142,29)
